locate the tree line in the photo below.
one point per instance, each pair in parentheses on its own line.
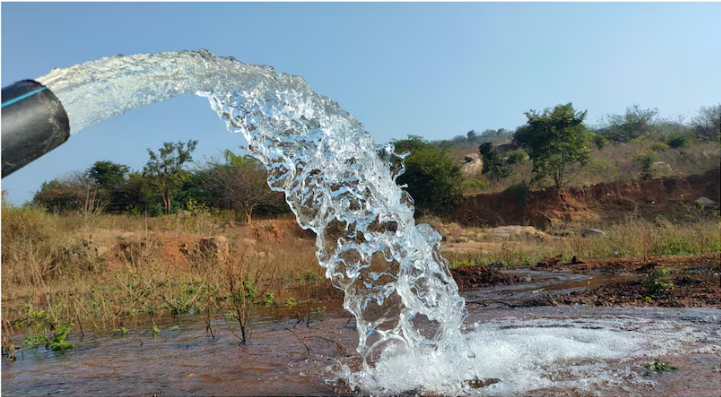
(557,141)
(166,184)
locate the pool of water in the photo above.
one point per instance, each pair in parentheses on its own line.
(563,350)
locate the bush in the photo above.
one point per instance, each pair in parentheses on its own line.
(600,141)
(434,180)
(517,157)
(681,141)
(476,184)
(645,160)
(657,282)
(659,147)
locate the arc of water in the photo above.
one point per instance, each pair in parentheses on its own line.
(337,181)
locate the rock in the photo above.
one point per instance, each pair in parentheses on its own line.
(266,256)
(217,246)
(661,221)
(661,168)
(471,157)
(101,250)
(706,202)
(462,239)
(126,236)
(509,232)
(472,168)
(249,241)
(592,232)
(498,265)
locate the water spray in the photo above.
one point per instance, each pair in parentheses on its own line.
(337,180)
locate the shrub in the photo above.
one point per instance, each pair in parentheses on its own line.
(657,282)
(645,160)
(517,157)
(681,141)
(659,147)
(600,141)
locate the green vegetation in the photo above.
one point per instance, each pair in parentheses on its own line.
(645,161)
(493,166)
(556,142)
(657,282)
(683,147)
(517,157)
(658,366)
(58,341)
(433,178)
(230,184)
(165,169)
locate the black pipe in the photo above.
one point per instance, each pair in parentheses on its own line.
(34,122)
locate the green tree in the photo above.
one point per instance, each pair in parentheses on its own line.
(109,178)
(166,169)
(518,156)
(137,194)
(556,143)
(433,178)
(645,160)
(493,165)
(107,174)
(471,134)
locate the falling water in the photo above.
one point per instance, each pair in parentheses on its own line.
(341,185)
(336,179)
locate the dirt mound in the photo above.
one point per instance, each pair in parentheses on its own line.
(481,276)
(272,231)
(595,204)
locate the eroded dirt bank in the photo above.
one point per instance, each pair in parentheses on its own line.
(595,204)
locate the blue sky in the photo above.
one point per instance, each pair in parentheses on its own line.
(436,70)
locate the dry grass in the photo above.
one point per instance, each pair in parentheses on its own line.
(71,269)
(631,239)
(76,269)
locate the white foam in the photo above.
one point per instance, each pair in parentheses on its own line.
(586,356)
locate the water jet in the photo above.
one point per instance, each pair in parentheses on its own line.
(338,182)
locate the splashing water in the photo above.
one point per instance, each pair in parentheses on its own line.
(337,181)
(339,184)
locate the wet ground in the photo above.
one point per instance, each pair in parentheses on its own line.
(289,355)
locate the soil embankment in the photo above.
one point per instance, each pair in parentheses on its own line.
(596,204)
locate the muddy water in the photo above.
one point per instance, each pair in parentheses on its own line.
(289,355)
(188,361)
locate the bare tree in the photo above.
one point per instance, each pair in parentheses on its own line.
(75,191)
(707,124)
(240,182)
